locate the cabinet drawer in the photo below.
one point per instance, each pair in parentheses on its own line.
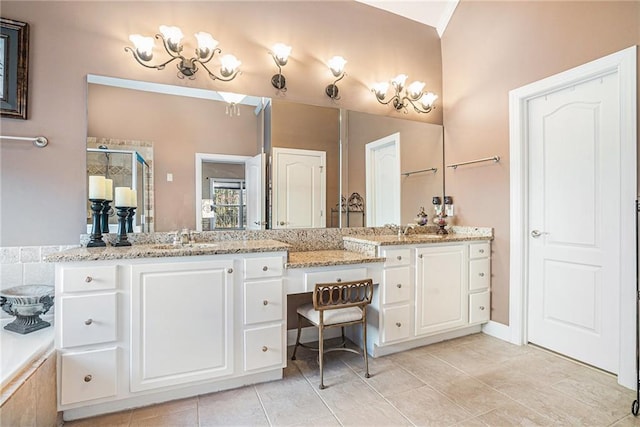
(479,307)
(255,268)
(479,273)
(263,301)
(396,323)
(88,319)
(88,375)
(330,276)
(397,285)
(396,257)
(479,250)
(264,347)
(96,278)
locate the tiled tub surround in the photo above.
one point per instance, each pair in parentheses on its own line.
(27,362)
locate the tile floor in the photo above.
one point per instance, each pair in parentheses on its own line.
(471,381)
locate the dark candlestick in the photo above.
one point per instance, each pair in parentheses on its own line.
(121,239)
(95,240)
(132,212)
(105,216)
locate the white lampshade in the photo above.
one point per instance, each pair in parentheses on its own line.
(206,43)
(336,64)
(281,51)
(229,64)
(380,89)
(143,45)
(428,99)
(400,80)
(172,34)
(415,89)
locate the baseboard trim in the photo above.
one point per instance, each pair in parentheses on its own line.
(497,330)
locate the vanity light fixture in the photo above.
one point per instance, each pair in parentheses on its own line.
(280,53)
(232,100)
(414,95)
(336,65)
(187,67)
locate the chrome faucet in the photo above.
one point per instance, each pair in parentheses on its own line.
(185,236)
(406,229)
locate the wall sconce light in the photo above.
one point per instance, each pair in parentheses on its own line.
(172,41)
(421,101)
(280,54)
(336,65)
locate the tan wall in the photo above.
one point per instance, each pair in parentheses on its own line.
(490,48)
(43,196)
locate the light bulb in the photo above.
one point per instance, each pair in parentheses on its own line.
(229,65)
(281,52)
(336,64)
(143,45)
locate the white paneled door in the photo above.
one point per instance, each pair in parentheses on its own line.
(382,169)
(299,188)
(254,173)
(574,226)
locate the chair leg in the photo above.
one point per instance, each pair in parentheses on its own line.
(321,355)
(364,349)
(293,356)
(344,340)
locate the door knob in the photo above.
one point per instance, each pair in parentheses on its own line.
(537,233)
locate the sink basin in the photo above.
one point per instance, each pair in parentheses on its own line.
(170,246)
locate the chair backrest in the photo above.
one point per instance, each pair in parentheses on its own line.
(331,296)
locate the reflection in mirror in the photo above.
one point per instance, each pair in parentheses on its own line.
(404,161)
(180,122)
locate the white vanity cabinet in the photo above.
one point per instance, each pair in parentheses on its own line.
(428,293)
(133,332)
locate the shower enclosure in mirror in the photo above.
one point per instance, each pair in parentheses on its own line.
(127,166)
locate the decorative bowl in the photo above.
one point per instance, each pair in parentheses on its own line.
(27,303)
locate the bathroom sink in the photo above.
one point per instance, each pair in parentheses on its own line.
(170,246)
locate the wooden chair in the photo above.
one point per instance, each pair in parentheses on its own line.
(336,305)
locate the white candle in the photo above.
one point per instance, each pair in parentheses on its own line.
(96,188)
(122,197)
(134,199)
(108,189)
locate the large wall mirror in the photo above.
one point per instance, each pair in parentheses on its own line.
(202,162)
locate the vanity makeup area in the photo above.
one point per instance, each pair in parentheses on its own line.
(164,319)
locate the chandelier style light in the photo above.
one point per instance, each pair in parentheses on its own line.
(414,95)
(336,65)
(187,67)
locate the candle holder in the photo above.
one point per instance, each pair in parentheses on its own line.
(105,216)
(132,212)
(95,240)
(121,239)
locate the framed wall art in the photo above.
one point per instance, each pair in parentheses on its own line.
(14,68)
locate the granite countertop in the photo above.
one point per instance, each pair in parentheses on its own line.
(412,239)
(167,250)
(328,258)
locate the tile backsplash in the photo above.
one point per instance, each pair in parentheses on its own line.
(24,265)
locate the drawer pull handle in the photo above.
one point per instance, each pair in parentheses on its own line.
(87,378)
(264,348)
(399,257)
(399,285)
(481,274)
(230,270)
(88,322)
(482,307)
(265,268)
(481,251)
(265,302)
(338,280)
(88,279)
(398,324)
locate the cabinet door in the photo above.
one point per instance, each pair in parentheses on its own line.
(441,289)
(181,323)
